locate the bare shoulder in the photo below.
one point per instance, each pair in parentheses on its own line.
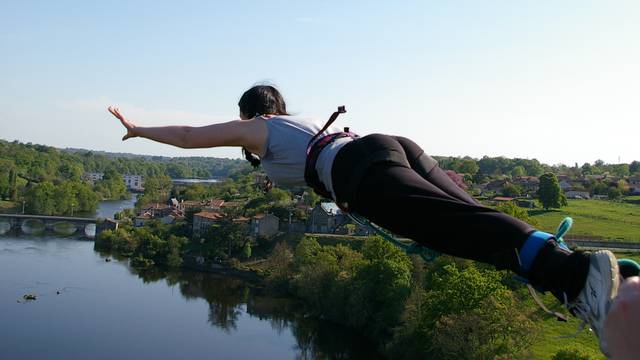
(254,134)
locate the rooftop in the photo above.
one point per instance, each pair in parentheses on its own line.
(208,215)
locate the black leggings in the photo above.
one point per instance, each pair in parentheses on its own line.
(423,204)
(419,201)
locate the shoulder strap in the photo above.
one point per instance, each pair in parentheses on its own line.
(332,118)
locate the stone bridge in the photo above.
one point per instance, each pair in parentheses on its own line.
(42,223)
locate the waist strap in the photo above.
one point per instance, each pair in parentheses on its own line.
(313,151)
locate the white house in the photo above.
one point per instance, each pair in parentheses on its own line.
(93,176)
(133,182)
(575,194)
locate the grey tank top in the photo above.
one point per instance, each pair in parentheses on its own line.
(285,154)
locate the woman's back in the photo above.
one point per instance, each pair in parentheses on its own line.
(285,149)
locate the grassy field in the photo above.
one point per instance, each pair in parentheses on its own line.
(551,340)
(596,218)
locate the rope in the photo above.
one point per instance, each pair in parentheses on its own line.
(408,246)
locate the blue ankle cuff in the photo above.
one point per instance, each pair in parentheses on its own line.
(530,250)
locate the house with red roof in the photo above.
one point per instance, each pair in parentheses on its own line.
(203,221)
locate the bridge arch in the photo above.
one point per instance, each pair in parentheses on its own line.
(90,230)
(33,226)
(37,224)
(65,228)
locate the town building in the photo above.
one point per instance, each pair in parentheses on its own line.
(142,219)
(264,225)
(186,205)
(203,221)
(577,194)
(133,182)
(215,204)
(529,184)
(325,218)
(92,177)
(157,210)
(634,185)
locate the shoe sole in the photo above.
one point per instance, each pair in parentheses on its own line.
(607,265)
(609,270)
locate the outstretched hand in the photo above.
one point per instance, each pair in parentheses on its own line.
(126,123)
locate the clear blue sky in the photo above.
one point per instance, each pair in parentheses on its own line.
(554,80)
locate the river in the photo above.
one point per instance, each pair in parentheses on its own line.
(91,308)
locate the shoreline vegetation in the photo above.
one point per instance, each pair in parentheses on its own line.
(410,308)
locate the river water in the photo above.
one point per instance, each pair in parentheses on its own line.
(91,308)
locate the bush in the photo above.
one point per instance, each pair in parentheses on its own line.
(463,312)
(517,212)
(571,354)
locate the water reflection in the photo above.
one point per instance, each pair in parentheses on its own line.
(64,228)
(5,226)
(229,298)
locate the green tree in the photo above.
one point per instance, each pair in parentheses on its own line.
(549,192)
(571,354)
(87,199)
(278,196)
(517,212)
(462,303)
(40,199)
(311,198)
(12,190)
(172,250)
(598,167)
(65,198)
(123,243)
(600,188)
(623,186)
(496,328)
(518,171)
(512,190)
(246,250)
(467,166)
(586,169)
(634,167)
(112,185)
(70,171)
(279,263)
(620,170)
(614,193)
(224,239)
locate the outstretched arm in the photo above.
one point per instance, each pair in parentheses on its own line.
(246,133)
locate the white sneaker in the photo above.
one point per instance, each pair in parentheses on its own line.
(601,287)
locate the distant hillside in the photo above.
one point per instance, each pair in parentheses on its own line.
(41,162)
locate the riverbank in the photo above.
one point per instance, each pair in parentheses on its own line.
(197,263)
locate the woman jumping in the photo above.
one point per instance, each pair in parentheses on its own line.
(393,183)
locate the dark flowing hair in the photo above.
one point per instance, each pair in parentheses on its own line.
(261,100)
